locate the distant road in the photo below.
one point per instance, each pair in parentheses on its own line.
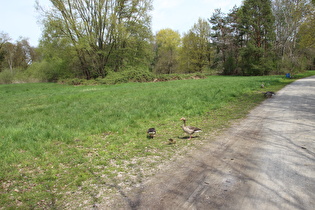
(266,161)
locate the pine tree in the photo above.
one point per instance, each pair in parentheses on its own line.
(256,26)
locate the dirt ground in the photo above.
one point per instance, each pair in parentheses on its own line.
(266,161)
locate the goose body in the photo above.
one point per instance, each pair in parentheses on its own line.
(269,94)
(151,132)
(189,129)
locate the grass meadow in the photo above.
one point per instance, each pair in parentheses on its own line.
(60,144)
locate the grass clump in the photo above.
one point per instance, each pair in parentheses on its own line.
(60,142)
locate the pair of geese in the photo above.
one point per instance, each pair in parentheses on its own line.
(190,129)
(187,129)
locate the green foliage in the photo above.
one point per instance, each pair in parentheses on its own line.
(292,65)
(251,63)
(135,75)
(6,76)
(306,33)
(166,49)
(257,23)
(129,75)
(59,58)
(229,65)
(102,34)
(48,71)
(244,39)
(102,41)
(16,55)
(195,52)
(226,40)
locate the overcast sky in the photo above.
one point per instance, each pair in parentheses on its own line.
(18,18)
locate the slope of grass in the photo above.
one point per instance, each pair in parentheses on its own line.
(56,139)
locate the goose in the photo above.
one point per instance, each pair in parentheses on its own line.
(269,94)
(172,141)
(189,129)
(151,132)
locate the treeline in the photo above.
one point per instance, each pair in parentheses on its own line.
(259,38)
(101,38)
(15,57)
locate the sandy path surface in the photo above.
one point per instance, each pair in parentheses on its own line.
(266,161)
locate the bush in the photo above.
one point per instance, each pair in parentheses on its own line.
(6,77)
(48,71)
(292,65)
(78,81)
(129,75)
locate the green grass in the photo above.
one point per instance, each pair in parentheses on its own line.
(56,140)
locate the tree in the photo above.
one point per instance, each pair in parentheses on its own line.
(292,18)
(226,38)
(167,44)
(256,25)
(103,33)
(289,16)
(59,56)
(17,55)
(306,39)
(306,33)
(9,50)
(24,54)
(264,36)
(4,38)
(219,33)
(196,50)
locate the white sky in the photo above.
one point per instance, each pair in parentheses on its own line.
(18,18)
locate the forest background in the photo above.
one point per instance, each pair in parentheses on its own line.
(111,41)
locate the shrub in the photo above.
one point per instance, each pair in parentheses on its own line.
(132,75)
(292,65)
(72,81)
(128,75)
(48,71)
(6,77)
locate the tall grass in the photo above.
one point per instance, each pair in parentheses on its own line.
(56,138)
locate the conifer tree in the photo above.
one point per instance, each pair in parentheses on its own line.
(256,26)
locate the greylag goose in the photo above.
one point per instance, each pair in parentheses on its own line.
(269,94)
(151,132)
(189,129)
